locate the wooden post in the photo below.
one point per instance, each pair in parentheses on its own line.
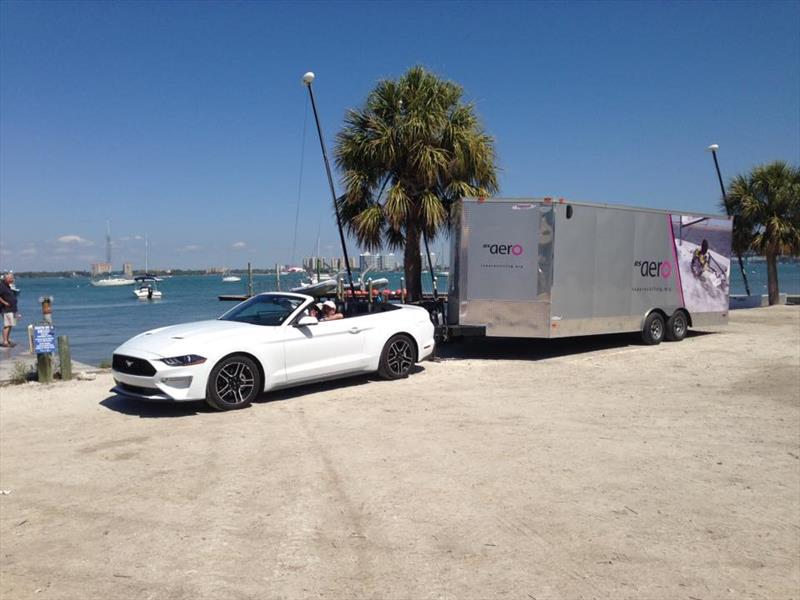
(64,358)
(44,367)
(403,290)
(30,338)
(249,280)
(369,288)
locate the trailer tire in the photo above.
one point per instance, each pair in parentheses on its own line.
(677,326)
(653,329)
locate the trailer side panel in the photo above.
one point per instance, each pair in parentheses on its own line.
(611,268)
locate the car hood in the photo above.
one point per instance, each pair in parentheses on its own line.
(191,338)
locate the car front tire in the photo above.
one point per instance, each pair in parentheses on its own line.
(234,383)
(398,357)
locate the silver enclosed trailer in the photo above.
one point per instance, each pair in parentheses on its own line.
(547,268)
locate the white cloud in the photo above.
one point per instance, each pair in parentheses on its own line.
(238,245)
(138,237)
(73,239)
(28,251)
(190,248)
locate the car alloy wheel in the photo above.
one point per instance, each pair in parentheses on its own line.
(397,358)
(234,382)
(400,357)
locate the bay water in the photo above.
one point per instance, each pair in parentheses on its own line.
(98,319)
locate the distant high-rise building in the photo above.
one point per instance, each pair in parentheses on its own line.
(100,268)
(127,269)
(369,261)
(389,262)
(424,258)
(310,263)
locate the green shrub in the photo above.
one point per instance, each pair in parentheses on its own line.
(105,364)
(21,373)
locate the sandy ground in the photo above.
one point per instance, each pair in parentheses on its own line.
(588,469)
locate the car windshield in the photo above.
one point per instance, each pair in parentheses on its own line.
(270,310)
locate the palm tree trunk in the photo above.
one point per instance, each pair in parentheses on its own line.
(412,263)
(772,278)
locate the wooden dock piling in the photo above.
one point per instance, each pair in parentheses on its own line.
(64,358)
(44,367)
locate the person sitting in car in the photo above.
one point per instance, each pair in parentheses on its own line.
(329,312)
(315,310)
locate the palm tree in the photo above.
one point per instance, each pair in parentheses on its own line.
(766,206)
(407,156)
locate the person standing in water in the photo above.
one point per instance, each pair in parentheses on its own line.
(8,304)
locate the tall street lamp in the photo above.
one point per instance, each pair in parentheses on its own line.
(713,149)
(308,79)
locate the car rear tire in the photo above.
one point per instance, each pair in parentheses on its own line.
(677,326)
(653,329)
(398,357)
(234,383)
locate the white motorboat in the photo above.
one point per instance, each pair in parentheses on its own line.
(227,277)
(146,289)
(318,288)
(112,282)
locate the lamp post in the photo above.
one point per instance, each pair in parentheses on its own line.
(713,149)
(308,79)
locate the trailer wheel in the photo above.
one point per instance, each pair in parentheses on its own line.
(677,326)
(653,329)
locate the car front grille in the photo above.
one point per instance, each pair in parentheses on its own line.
(132,365)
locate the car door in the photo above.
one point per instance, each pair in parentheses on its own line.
(327,349)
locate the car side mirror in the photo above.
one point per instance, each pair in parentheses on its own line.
(306,321)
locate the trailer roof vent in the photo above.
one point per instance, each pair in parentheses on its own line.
(569,211)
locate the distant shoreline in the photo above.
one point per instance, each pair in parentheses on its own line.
(177,272)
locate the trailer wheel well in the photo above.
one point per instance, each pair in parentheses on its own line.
(688,315)
(660,311)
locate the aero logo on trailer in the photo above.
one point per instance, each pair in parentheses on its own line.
(652,268)
(513,249)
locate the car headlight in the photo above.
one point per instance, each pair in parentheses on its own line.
(184,361)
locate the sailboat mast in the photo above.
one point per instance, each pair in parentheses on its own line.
(108,242)
(146,251)
(308,78)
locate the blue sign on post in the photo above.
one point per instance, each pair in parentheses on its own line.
(44,339)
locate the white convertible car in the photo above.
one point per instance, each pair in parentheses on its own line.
(265,343)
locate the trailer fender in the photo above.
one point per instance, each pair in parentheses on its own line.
(664,315)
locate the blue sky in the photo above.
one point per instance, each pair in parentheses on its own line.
(184,120)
